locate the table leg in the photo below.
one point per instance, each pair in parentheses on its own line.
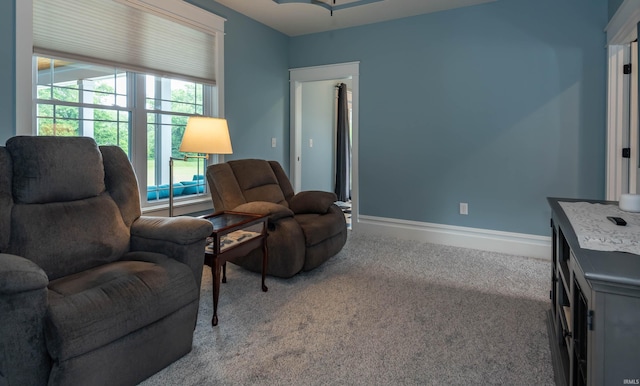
(224,272)
(215,270)
(265,261)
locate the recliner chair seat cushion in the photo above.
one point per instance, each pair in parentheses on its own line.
(318,228)
(93,308)
(274,211)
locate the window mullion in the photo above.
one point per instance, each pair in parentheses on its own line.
(163,129)
(138,129)
(210,109)
(86,114)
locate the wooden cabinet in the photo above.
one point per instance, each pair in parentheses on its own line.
(594,320)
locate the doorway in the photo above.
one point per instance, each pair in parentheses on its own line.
(302,143)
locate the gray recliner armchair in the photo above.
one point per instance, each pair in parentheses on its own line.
(305,229)
(91,292)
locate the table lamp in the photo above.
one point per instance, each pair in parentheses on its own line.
(203,135)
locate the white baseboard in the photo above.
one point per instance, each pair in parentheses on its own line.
(519,244)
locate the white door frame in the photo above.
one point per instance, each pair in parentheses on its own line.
(634,159)
(621,30)
(617,177)
(297,76)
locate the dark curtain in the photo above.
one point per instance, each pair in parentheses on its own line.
(343,147)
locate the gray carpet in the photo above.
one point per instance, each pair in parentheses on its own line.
(383,311)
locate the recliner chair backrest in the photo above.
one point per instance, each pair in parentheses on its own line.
(6,199)
(257,181)
(240,181)
(225,191)
(283,180)
(62,216)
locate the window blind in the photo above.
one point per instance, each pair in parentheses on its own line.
(108,32)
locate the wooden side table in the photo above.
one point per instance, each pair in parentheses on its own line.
(235,234)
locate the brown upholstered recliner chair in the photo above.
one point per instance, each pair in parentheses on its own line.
(91,292)
(305,229)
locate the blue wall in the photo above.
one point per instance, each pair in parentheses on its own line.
(257,83)
(7,70)
(613,7)
(498,105)
(256,86)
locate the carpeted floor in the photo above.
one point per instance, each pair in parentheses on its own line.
(383,311)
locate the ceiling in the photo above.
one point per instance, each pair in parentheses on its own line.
(300,17)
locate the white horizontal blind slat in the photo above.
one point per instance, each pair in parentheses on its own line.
(123,36)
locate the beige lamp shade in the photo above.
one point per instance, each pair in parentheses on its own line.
(206,135)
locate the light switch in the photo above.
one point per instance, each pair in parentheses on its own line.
(273,142)
(310,142)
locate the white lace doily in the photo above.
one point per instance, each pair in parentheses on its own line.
(595,231)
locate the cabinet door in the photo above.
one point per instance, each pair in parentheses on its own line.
(581,325)
(620,334)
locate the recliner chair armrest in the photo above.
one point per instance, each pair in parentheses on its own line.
(179,230)
(181,238)
(312,201)
(18,274)
(274,211)
(23,305)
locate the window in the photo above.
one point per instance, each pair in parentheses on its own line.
(110,104)
(128,73)
(82,99)
(169,103)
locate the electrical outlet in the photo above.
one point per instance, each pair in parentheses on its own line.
(310,142)
(464,208)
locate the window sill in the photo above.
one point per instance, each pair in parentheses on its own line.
(180,207)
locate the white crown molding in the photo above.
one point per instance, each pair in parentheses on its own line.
(623,26)
(181,12)
(518,244)
(329,71)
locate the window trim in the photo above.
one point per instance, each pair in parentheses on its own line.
(26,85)
(25,78)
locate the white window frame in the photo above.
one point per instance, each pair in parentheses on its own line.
(176,10)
